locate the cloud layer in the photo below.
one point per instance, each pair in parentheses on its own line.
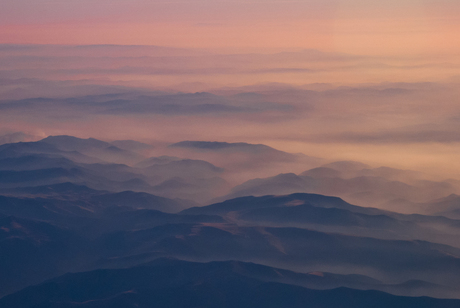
(381,110)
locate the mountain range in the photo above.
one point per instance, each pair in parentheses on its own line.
(81,226)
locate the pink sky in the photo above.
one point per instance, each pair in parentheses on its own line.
(354,26)
(237,45)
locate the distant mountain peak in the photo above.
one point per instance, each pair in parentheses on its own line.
(71,142)
(64,137)
(347,165)
(237,147)
(217,145)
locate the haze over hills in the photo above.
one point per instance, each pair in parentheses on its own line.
(357,183)
(65,206)
(91,162)
(132,145)
(244,161)
(87,161)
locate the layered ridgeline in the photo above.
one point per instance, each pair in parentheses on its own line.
(214,171)
(172,283)
(115,248)
(393,189)
(104,166)
(81,225)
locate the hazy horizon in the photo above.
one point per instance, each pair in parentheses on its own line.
(376,82)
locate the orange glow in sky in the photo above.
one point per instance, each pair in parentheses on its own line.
(352,26)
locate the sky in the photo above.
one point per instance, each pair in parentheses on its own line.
(356,26)
(375,81)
